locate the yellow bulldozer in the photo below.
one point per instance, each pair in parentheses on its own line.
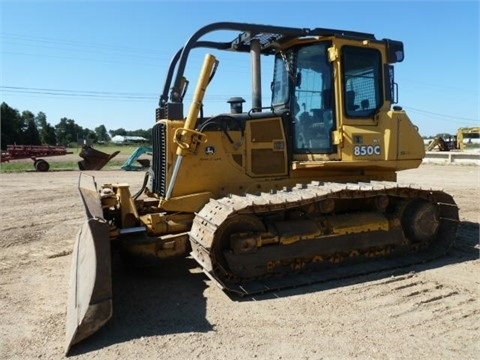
(299,191)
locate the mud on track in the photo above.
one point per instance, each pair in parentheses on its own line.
(430,311)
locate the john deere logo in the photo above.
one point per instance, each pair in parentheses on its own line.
(210,150)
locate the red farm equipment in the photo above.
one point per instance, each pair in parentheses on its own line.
(34,152)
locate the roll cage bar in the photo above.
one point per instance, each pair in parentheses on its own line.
(268,36)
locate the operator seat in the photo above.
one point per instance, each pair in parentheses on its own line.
(351,101)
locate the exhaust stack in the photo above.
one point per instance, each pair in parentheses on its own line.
(256,75)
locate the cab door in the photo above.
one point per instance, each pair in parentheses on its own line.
(313,101)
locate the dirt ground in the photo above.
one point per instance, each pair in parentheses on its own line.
(430,311)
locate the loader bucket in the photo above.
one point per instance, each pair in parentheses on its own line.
(90,290)
(94,159)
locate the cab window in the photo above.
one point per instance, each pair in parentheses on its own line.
(362,81)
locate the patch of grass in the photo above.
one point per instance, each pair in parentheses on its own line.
(28,166)
(54,166)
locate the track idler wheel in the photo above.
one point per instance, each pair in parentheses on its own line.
(420,221)
(236,235)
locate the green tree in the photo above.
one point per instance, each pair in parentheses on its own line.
(11,124)
(90,135)
(47,131)
(120,131)
(102,134)
(31,135)
(67,131)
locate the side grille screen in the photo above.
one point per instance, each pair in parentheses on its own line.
(159,165)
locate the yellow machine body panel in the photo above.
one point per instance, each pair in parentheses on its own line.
(258,160)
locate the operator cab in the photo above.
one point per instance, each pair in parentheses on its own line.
(304,82)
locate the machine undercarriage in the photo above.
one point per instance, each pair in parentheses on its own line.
(246,241)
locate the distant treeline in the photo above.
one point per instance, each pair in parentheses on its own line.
(26,128)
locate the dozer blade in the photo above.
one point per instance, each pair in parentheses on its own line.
(94,159)
(90,289)
(90,294)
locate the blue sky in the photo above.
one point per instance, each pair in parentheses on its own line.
(104,62)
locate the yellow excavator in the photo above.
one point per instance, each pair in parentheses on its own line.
(299,191)
(464,138)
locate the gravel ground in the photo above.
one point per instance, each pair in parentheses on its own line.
(423,312)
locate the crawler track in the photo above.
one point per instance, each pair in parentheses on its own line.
(318,232)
